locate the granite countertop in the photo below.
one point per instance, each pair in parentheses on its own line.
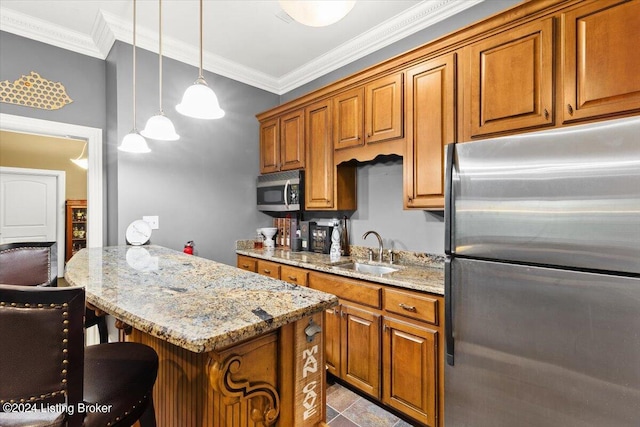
(191,302)
(420,272)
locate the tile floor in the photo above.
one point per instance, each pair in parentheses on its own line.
(346,409)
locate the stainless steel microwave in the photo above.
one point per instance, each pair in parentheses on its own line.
(281,191)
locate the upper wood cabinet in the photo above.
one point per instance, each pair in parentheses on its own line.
(510,84)
(282,143)
(368,120)
(270,146)
(431,123)
(384,109)
(601,64)
(348,119)
(327,187)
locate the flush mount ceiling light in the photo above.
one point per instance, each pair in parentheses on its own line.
(133,142)
(199,101)
(160,126)
(82,160)
(317,13)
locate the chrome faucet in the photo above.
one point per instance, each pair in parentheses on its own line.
(364,236)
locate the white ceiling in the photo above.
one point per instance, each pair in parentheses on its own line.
(246,40)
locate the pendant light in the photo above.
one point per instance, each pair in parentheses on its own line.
(159,126)
(199,101)
(133,142)
(317,13)
(82,160)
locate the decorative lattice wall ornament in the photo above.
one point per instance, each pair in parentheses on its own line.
(34,91)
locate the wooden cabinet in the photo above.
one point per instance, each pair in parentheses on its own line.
(431,120)
(270,146)
(76,227)
(409,369)
(384,109)
(368,120)
(601,65)
(510,84)
(327,186)
(360,345)
(247,263)
(348,119)
(282,143)
(382,340)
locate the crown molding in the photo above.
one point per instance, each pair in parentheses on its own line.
(108,28)
(411,21)
(45,32)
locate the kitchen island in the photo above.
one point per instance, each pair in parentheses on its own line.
(235,348)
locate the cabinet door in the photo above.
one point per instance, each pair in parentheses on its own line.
(361,349)
(600,59)
(268,268)
(384,109)
(348,118)
(409,370)
(292,140)
(430,126)
(247,263)
(269,146)
(332,340)
(319,174)
(512,80)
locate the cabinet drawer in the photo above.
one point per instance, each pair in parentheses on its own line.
(247,263)
(410,304)
(294,275)
(352,290)
(268,268)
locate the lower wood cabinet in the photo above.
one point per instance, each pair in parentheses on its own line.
(247,263)
(360,349)
(409,355)
(385,341)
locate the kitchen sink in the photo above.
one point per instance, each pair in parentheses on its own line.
(375,269)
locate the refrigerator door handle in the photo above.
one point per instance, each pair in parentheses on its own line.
(448,312)
(448,198)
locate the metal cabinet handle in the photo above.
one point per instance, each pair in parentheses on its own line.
(245,265)
(384,327)
(267,271)
(546,114)
(294,278)
(408,307)
(570,109)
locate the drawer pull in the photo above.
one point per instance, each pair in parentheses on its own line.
(408,307)
(245,265)
(267,271)
(293,278)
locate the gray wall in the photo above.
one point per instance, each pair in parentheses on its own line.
(82,76)
(380,182)
(202,186)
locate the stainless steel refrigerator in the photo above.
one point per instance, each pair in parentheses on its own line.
(542,288)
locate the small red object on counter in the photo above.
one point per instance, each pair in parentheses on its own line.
(188,248)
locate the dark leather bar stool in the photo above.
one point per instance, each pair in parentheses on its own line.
(36,264)
(44,364)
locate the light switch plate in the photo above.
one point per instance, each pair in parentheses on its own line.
(153,221)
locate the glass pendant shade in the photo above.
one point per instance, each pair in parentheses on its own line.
(133,142)
(318,13)
(200,102)
(161,128)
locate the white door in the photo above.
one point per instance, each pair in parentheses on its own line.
(32,206)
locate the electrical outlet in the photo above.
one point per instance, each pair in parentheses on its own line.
(153,221)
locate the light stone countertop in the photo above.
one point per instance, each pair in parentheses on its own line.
(191,302)
(425,273)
